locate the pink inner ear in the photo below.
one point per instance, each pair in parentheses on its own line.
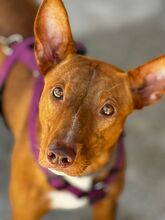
(51,51)
(148,82)
(156,75)
(53,34)
(51,37)
(154,84)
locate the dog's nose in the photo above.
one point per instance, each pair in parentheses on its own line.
(62,157)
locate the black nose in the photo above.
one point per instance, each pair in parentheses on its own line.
(61,156)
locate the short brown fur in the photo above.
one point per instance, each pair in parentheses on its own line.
(88,85)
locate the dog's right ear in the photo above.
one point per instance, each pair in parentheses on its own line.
(53,37)
(148,82)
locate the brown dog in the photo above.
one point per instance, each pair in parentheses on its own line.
(82,111)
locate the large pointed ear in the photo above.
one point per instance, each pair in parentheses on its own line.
(148,82)
(53,37)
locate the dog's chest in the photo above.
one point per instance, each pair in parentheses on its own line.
(66,200)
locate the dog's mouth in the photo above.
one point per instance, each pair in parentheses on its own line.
(76,169)
(72,171)
(88,170)
(68,173)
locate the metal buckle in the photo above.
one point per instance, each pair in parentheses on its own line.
(8,41)
(99,186)
(36,74)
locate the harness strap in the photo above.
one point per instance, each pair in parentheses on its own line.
(1,92)
(23,52)
(98,190)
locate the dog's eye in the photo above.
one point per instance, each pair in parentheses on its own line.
(107,110)
(58,93)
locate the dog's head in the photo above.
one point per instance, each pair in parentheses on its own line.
(85,102)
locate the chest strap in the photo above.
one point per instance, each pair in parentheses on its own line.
(98,190)
(23,52)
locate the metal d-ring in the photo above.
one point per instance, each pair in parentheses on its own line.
(8,41)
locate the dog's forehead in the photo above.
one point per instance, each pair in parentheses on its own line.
(90,80)
(80,70)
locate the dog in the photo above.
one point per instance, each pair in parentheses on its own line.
(79,127)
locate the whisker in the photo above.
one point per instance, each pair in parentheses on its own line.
(115,86)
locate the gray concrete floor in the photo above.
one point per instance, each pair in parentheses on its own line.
(126,33)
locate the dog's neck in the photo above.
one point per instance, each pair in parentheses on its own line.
(17,16)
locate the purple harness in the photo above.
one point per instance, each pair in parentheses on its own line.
(23,52)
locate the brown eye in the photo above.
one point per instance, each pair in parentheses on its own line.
(107,110)
(58,93)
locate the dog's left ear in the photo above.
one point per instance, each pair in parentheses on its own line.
(148,82)
(52,34)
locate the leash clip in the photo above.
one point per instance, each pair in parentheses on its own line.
(7,43)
